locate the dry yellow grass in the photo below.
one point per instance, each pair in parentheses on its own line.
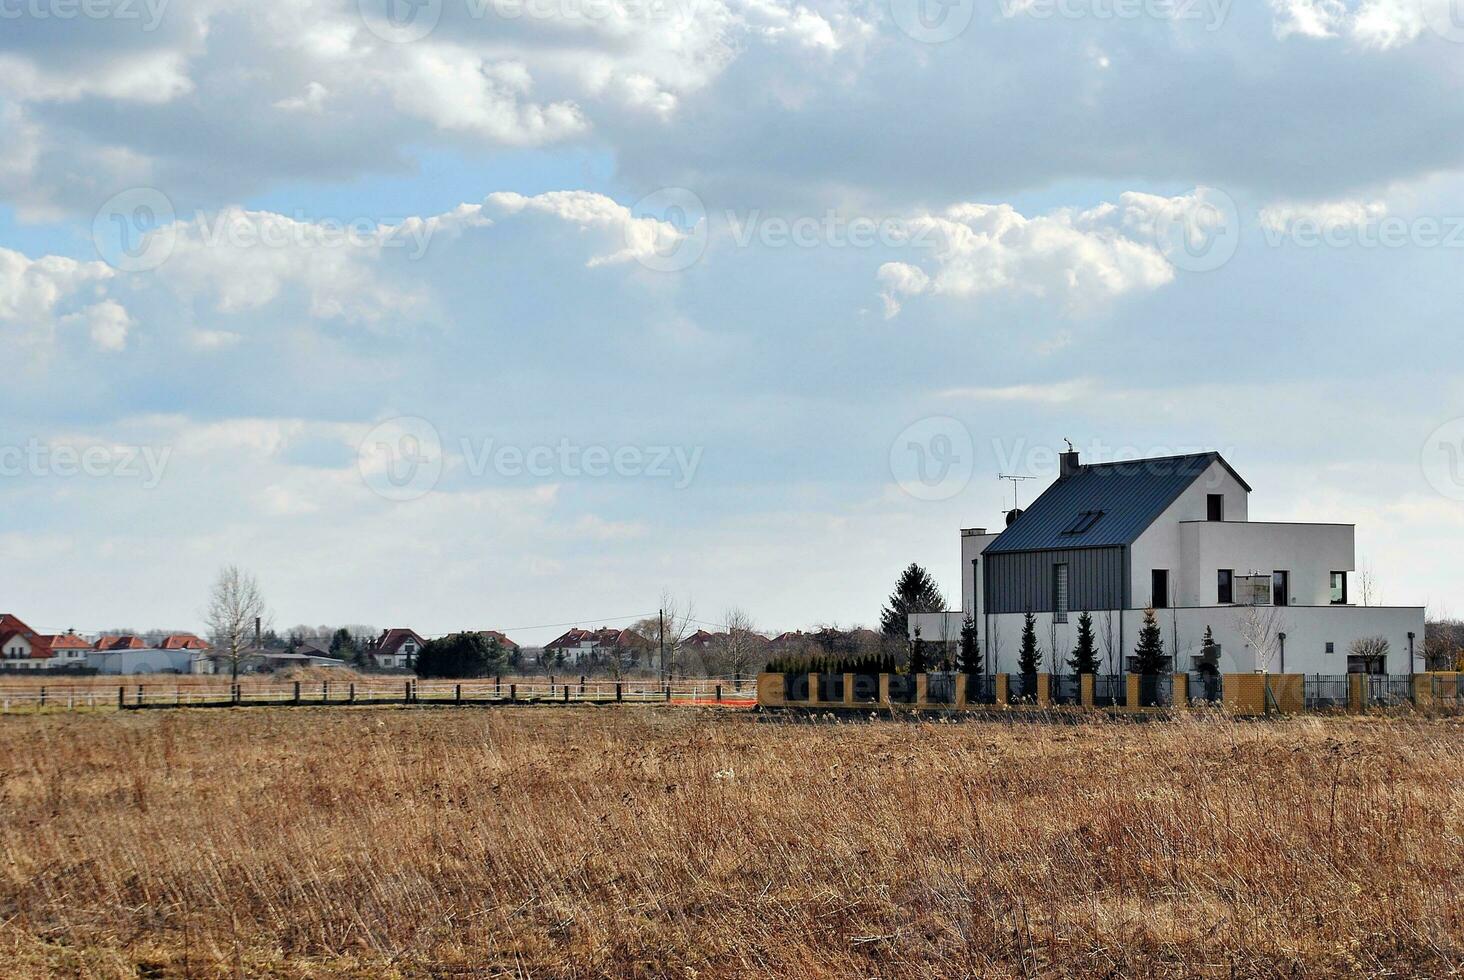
(671,842)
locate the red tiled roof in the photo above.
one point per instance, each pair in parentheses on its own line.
(11,623)
(119,643)
(501,638)
(62,641)
(182,641)
(38,649)
(605,636)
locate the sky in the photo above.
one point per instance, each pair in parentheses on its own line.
(468,314)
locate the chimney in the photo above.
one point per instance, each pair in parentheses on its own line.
(1067,463)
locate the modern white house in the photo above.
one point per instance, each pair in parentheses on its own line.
(1173,534)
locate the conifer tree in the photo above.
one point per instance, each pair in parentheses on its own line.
(970,647)
(1030,658)
(1149,654)
(1085,655)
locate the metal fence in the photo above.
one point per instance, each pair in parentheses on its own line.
(1022,689)
(1110,690)
(1206,688)
(1389,689)
(1325,691)
(1155,690)
(940,688)
(1067,689)
(981,689)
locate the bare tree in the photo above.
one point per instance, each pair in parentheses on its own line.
(666,631)
(1367,583)
(233,607)
(993,646)
(743,647)
(1373,651)
(1106,637)
(1261,628)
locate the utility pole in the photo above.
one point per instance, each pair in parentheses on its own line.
(661,633)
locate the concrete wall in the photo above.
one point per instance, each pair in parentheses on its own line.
(149,661)
(1308,629)
(1159,546)
(1309,552)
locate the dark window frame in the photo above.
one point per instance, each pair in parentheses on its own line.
(1281,596)
(1158,598)
(1225,586)
(1215,507)
(1333,588)
(1083,522)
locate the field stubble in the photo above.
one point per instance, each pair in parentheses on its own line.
(672,842)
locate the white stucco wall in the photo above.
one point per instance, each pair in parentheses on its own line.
(1308,629)
(972,545)
(1308,552)
(1159,545)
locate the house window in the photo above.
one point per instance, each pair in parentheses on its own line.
(1331,647)
(1225,586)
(1083,522)
(1215,507)
(1060,593)
(1159,588)
(1339,588)
(1280,588)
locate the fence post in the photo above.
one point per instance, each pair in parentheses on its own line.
(407,693)
(139,694)
(668,693)
(42,702)
(618,695)
(297,692)
(325,690)
(121,696)
(566,693)
(719,691)
(498,687)
(513,692)
(582,685)
(457,694)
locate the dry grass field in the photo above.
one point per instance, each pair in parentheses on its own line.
(548,842)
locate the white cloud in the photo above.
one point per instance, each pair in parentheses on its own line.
(1081,258)
(630,238)
(1281,216)
(1054,393)
(1372,24)
(106,323)
(31,288)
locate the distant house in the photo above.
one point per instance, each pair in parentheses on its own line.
(593,646)
(22,648)
(395,649)
(271,660)
(503,641)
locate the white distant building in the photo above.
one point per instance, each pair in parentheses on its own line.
(1172,534)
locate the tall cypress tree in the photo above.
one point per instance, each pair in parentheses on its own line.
(1030,657)
(970,647)
(1085,655)
(1149,654)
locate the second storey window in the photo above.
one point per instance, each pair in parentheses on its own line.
(1280,588)
(1339,588)
(1159,588)
(1225,586)
(1059,593)
(1215,507)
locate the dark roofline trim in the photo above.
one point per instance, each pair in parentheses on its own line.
(1113,464)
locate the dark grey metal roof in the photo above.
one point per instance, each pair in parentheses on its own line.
(1129,495)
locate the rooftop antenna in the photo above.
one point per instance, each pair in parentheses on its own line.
(1016,481)
(1069,443)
